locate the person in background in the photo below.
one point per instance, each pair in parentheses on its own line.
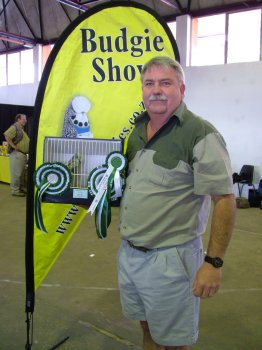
(178,163)
(18,148)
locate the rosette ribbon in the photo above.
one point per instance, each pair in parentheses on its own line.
(52,179)
(106,183)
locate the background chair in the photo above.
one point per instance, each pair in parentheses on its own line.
(245,177)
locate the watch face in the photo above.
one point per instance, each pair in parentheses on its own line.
(217,262)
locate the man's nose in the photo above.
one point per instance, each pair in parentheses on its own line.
(157,88)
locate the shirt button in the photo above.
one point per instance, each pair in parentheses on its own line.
(137,170)
(129,187)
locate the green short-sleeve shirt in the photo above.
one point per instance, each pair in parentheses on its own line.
(170,179)
(11,132)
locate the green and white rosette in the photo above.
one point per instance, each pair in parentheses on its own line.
(106,183)
(53,179)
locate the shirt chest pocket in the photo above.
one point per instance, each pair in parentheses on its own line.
(169,172)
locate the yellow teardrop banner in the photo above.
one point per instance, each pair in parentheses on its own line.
(99,57)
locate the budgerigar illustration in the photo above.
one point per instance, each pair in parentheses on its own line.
(76,123)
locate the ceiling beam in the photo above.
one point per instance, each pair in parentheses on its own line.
(65,12)
(24,18)
(17,39)
(40,18)
(90,1)
(74,4)
(179,6)
(188,6)
(4,6)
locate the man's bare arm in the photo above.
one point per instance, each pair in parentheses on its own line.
(208,278)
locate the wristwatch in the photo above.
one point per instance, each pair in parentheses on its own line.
(216,262)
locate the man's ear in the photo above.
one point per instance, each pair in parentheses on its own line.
(182,89)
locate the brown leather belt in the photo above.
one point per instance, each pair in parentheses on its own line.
(142,249)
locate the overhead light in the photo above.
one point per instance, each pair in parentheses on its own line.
(74,5)
(17,39)
(169,3)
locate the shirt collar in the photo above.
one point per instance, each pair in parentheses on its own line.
(179,112)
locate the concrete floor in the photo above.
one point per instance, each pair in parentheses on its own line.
(79,298)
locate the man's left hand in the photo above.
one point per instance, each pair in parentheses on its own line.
(207,281)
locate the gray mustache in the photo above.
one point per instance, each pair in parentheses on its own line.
(157,98)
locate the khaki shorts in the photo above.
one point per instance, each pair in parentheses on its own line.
(156,287)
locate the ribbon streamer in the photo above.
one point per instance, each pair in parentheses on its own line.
(109,188)
(38,213)
(101,188)
(51,178)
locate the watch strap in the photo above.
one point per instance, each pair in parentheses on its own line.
(216,262)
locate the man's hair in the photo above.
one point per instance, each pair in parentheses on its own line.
(18,116)
(167,62)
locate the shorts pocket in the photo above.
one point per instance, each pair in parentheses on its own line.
(191,258)
(175,266)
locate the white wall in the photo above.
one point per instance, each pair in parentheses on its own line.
(19,94)
(230,97)
(22,94)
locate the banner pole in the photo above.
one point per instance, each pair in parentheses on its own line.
(29,330)
(29,237)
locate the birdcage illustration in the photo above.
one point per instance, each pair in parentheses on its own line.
(80,156)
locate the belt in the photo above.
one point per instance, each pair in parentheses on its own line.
(142,249)
(21,152)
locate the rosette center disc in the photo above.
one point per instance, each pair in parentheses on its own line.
(52,178)
(116,162)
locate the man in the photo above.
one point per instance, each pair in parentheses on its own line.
(18,144)
(177,163)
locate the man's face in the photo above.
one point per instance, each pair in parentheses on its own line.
(162,92)
(23,120)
